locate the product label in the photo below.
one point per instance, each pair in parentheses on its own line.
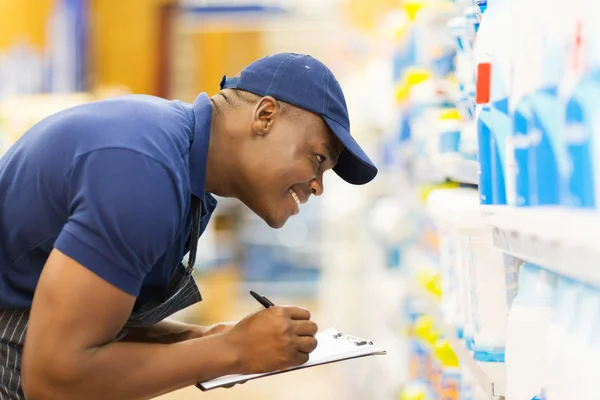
(511,173)
(522,141)
(449,142)
(485,157)
(546,179)
(579,140)
(501,128)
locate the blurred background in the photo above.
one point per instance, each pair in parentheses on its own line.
(472,258)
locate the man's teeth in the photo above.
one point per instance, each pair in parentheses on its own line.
(295,196)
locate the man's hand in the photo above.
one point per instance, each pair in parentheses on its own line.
(273,339)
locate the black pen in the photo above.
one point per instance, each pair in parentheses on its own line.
(266,303)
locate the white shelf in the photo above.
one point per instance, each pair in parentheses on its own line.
(449,166)
(461,170)
(562,240)
(490,376)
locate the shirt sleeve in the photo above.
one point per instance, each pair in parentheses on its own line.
(124,212)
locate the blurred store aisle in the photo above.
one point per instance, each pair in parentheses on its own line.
(320,383)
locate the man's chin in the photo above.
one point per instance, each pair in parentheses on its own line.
(273,220)
(275,223)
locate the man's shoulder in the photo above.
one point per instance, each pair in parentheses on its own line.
(151,125)
(137,108)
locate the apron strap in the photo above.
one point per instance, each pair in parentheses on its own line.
(195,232)
(180,272)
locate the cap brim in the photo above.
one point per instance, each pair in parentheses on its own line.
(353,165)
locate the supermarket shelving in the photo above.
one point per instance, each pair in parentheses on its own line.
(452,168)
(490,376)
(461,170)
(559,239)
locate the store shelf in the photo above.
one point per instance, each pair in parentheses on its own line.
(450,167)
(461,170)
(559,239)
(490,376)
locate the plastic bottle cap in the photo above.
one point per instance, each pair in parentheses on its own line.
(412,7)
(482,91)
(411,77)
(445,354)
(423,326)
(451,113)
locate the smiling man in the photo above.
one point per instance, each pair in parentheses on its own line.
(99,204)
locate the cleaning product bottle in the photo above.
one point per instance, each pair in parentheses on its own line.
(568,295)
(588,367)
(419,364)
(426,334)
(450,371)
(482,57)
(527,66)
(579,140)
(493,57)
(581,90)
(528,321)
(434,371)
(551,164)
(467,384)
(579,340)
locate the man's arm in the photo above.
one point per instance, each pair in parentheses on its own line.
(169,331)
(69,352)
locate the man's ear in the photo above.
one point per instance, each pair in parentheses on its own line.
(265,113)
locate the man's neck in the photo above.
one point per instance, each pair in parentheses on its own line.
(220,164)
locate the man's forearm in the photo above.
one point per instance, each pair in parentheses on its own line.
(167,331)
(123,370)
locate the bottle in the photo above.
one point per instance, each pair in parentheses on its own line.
(568,295)
(493,57)
(551,165)
(588,386)
(528,321)
(579,339)
(422,330)
(450,371)
(581,92)
(527,62)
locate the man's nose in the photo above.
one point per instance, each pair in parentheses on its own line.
(316,186)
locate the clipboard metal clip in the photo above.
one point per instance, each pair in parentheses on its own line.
(352,339)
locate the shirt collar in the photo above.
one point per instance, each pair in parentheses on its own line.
(202,109)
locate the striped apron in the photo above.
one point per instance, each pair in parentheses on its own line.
(181,292)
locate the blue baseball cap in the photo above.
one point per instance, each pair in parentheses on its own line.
(305,82)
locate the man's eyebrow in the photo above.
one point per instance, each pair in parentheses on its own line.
(332,154)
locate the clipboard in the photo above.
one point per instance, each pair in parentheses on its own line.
(333,346)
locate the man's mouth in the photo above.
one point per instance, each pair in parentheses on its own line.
(295,197)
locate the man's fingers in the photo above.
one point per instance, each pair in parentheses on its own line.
(299,358)
(306,328)
(297,312)
(306,344)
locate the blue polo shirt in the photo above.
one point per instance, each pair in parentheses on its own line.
(109,184)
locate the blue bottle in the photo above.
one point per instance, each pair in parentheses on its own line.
(546,149)
(578,136)
(522,142)
(484,156)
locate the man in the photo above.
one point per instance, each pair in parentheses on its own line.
(99,203)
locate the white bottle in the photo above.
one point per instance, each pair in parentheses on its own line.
(588,368)
(528,321)
(578,340)
(568,295)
